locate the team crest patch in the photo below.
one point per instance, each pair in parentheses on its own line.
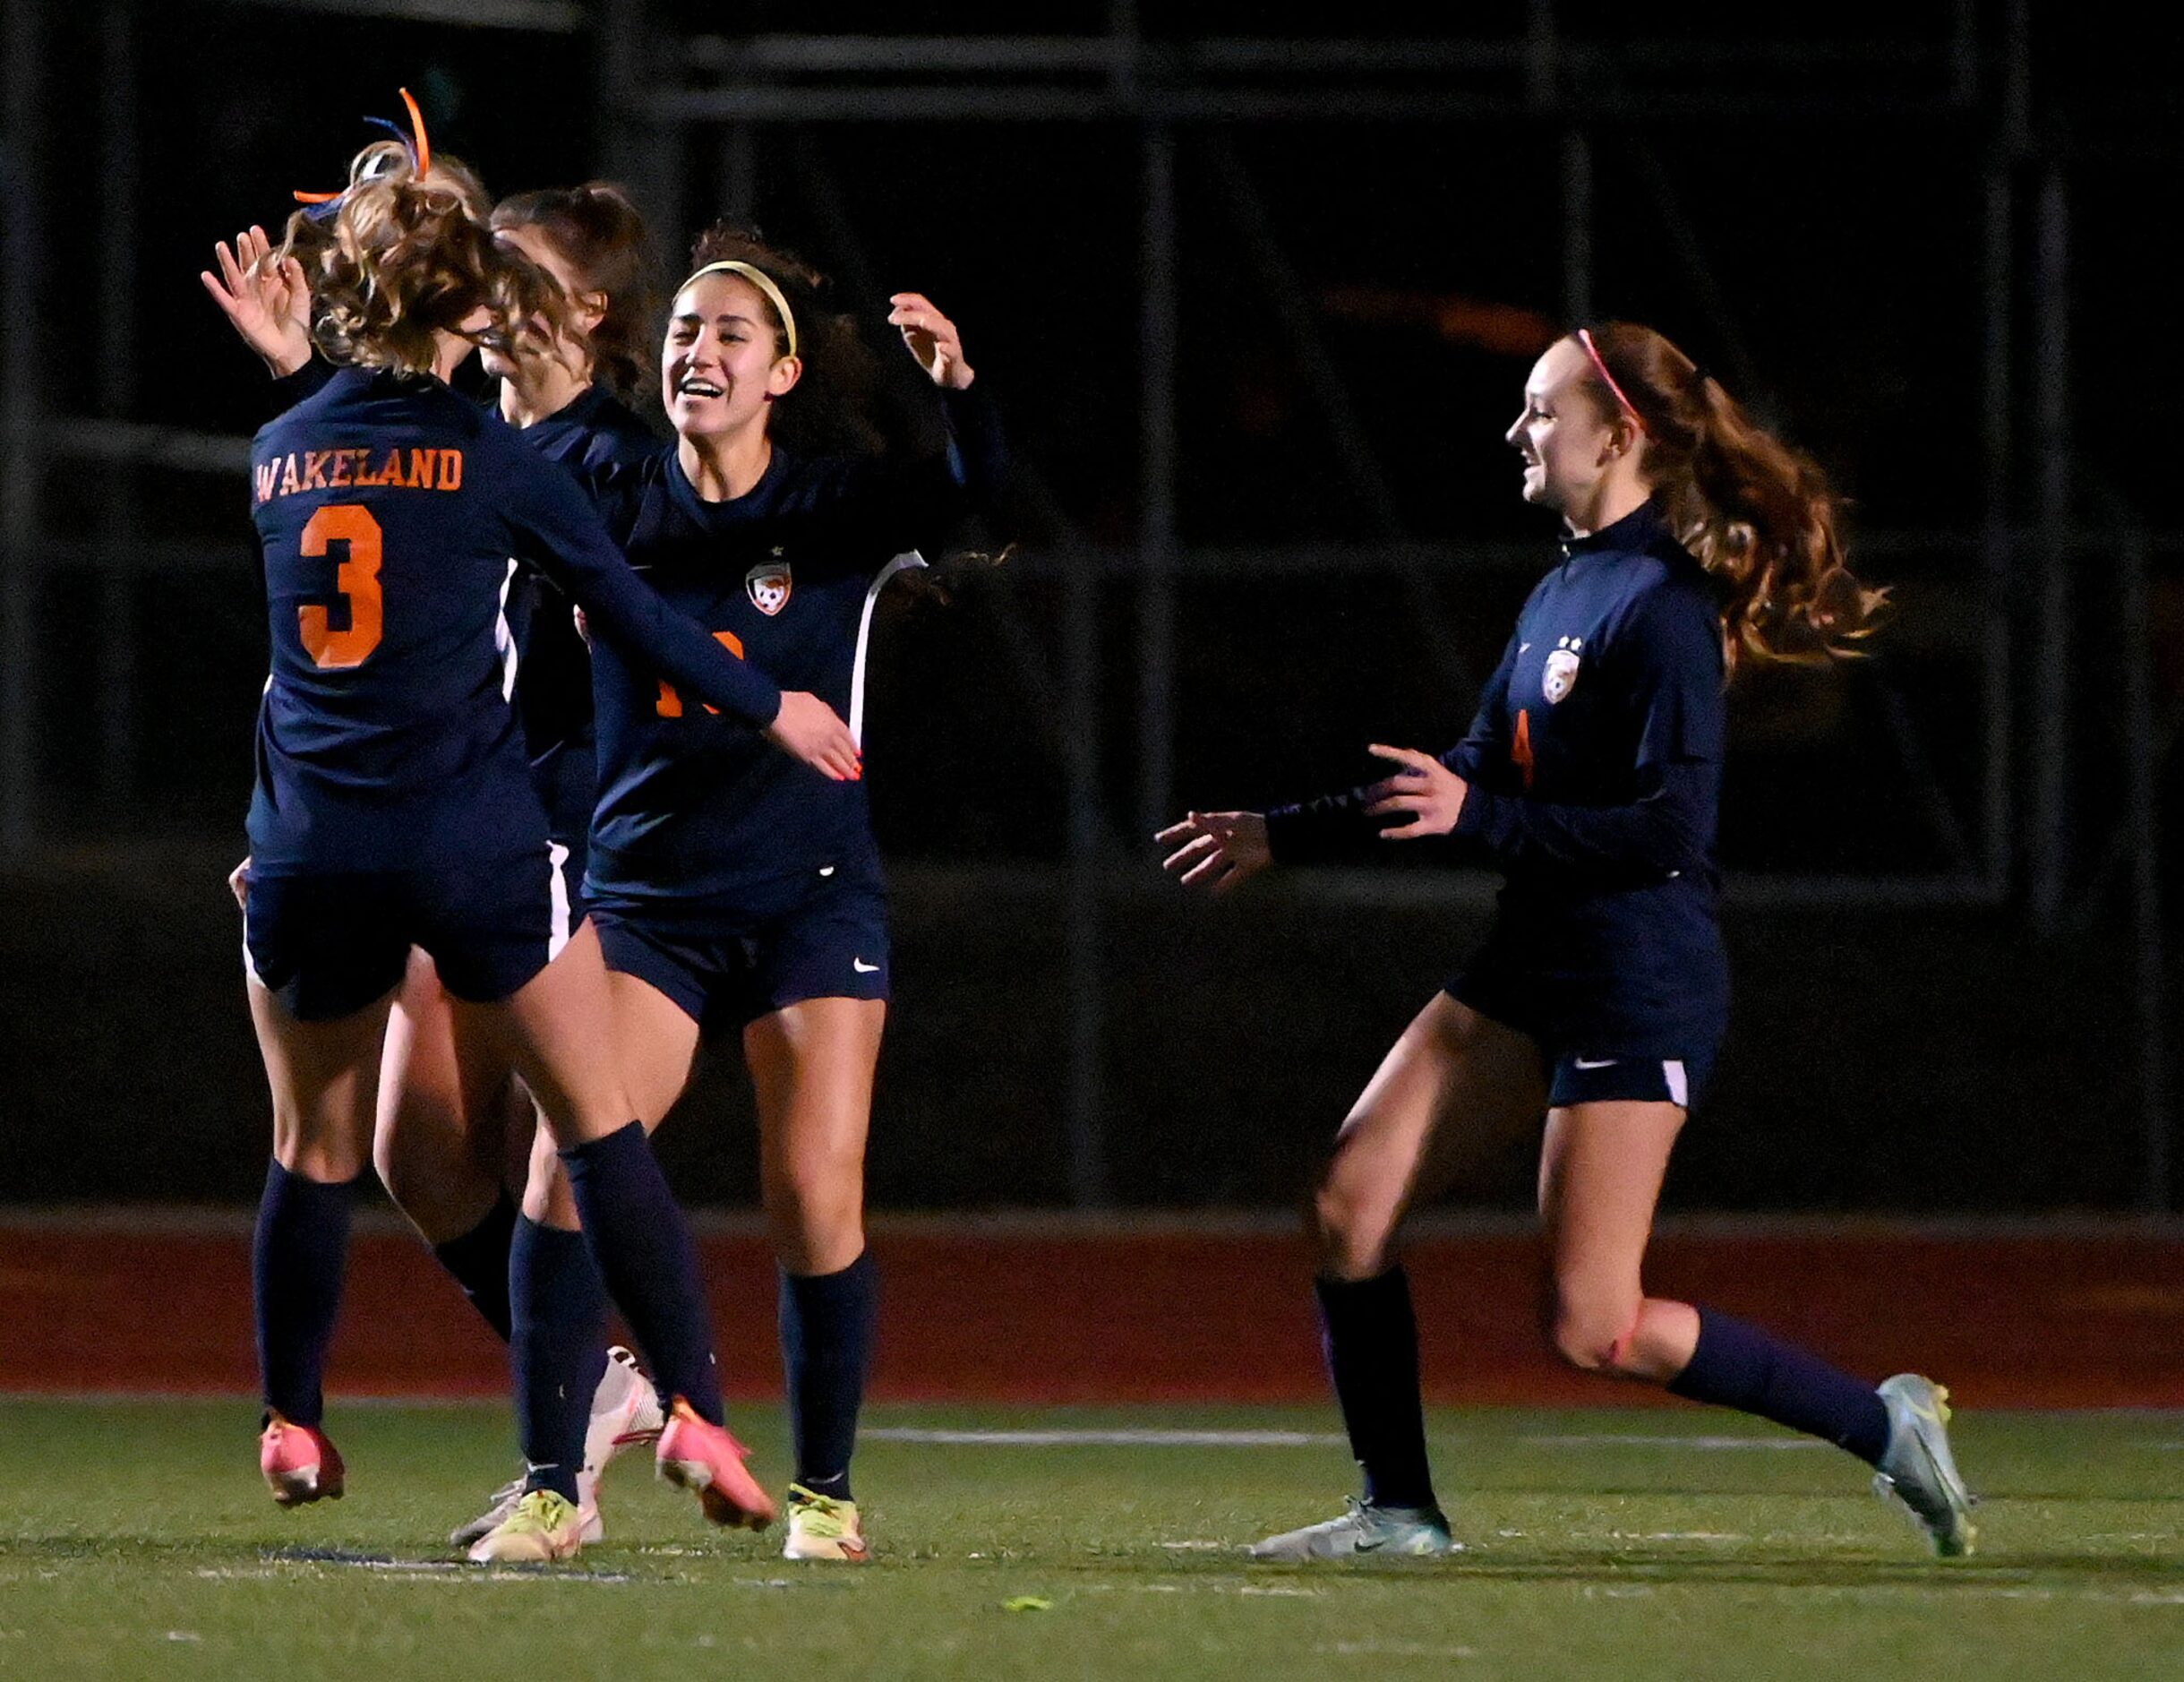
(1562,673)
(769,586)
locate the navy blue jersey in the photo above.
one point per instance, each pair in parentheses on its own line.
(697,807)
(554,682)
(392,513)
(1594,771)
(554,678)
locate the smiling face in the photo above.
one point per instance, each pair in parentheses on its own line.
(1568,445)
(721,365)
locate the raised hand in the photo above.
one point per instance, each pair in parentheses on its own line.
(932,339)
(1421,786)
(265,299)
(807,728)
(1216,850)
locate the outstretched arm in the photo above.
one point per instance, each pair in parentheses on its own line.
(265,297)
(562,532)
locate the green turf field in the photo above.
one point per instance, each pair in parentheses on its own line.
(136,1540)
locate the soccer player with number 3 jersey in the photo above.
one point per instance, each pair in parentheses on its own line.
(393,805)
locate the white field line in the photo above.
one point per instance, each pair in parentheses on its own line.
(1704,1445)
(1124,1439)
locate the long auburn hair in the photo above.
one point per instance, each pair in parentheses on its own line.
(830,410)
(1757,513)
(404,256)
(598,232)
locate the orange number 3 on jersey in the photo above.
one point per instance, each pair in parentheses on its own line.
(357,581)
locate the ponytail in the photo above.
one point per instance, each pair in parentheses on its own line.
(406,256)
(1756,512)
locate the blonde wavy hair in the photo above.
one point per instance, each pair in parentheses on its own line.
(405,257)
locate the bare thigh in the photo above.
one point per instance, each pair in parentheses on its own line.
(558,1030)
(324,1080)
(1601,1166)
(656,1048)
(811,1066)
(445,1103)
(1454,1089)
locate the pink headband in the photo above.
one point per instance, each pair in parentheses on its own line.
(1584,338)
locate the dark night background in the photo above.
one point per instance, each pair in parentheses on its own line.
(1919,1024)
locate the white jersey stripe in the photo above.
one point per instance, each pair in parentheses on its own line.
(557,866)
(505,640)
(864,640)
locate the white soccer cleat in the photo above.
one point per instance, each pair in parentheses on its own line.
(625,1411)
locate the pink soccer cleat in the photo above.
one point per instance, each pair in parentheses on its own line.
(703,1458)
(299,1464)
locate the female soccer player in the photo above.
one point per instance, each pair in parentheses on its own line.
(393,807)
(1692,541)
(735,891)
(451,1114)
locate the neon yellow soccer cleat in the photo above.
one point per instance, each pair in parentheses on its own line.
(543,1527)
(822,1528)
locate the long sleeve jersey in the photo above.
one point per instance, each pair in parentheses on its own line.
(695,807)
(392,514)
(1594,770)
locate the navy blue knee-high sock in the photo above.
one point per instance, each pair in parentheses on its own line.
(478,1261)
(558,1352)
(643,1247)
(1371,1337)
(826,1323)
(1740,1366)
(297,1257)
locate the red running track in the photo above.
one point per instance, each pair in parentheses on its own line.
(1064,1311)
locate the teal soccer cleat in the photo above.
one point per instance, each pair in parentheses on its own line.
(1918,1469)
(1365,1531)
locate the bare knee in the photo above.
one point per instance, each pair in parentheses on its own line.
(1593,1331)
(1353,1221)
(322,1154)
(815,1209)
(547,1198)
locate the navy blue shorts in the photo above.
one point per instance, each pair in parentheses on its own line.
(725,969)
(328,944)
(1595,1071)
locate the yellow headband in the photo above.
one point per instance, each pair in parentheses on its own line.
(758,278)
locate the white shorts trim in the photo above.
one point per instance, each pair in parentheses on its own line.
(1679,1084)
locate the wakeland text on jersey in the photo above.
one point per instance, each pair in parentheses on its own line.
(339,469)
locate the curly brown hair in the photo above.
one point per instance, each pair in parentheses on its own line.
(1757,513)
(830,411)
(405,257)
(599,233)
